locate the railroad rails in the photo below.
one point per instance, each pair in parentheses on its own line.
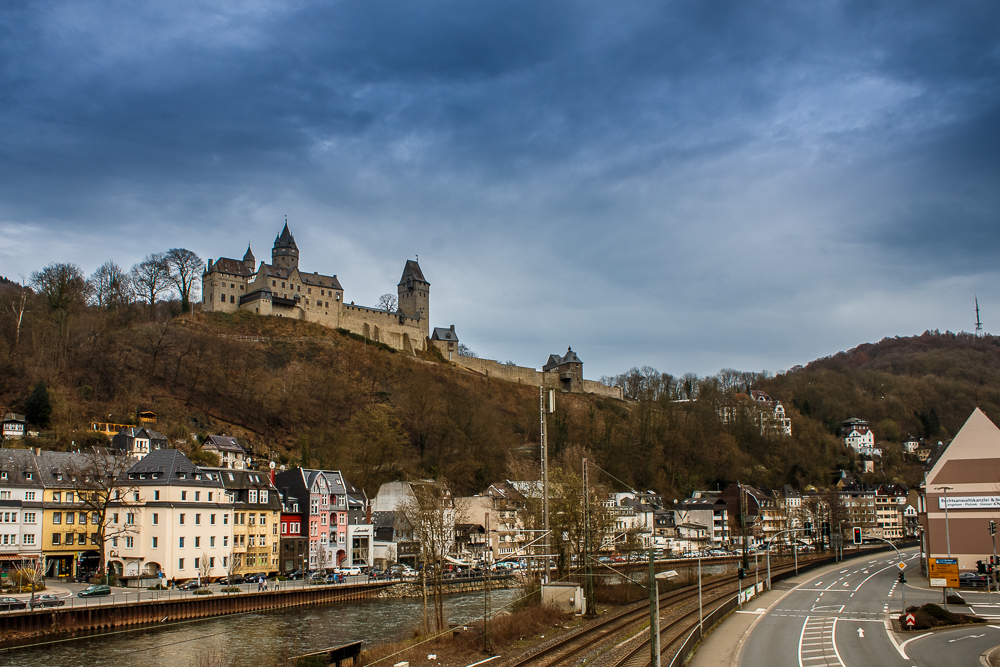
(613,629)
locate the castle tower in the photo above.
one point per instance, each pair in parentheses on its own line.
(285,253)
(248,259)
(414,292)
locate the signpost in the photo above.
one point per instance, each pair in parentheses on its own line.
(943,572)
(910,621)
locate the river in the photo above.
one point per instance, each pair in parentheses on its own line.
(252,638)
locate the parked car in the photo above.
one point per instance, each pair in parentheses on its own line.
(353,571)
(6,604)
(255,576)
(45,600)
(295,574)
(94,590)
(189,585)
(973,580)
(231,579)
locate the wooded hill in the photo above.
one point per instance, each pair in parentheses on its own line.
(305,394)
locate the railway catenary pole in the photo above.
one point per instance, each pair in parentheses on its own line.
(654,611)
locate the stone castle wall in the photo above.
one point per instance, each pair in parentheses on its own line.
(529,376)
(409,335)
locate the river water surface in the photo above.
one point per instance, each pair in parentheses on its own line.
(252,638)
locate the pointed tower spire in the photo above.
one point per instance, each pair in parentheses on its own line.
(285,253)
(248,259)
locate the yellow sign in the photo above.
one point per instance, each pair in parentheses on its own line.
(943,572)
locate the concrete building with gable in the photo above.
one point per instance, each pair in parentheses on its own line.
(967,472)
(859,437)
(281,289)
(230,452)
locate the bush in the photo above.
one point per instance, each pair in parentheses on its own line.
(201,591)
(157,587)
(231,589)
(933,616)
(955,599)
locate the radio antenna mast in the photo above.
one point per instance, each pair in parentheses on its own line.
(979,325)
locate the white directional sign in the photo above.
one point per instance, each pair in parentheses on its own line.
(861,633)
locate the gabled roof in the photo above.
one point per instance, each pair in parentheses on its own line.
(230,266)
(411,271)
(319,280)
(15,462)
(441,333)
(972,457)
(223,443)
(12,417)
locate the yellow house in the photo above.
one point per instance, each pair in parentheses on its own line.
(69,529)
(256,519)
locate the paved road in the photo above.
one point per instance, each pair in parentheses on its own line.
(839,617)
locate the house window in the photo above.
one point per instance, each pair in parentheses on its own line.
(29,538)
(135,496)
(57,517)
(70,518)
(180,542)
(211,541)
(263,519)
(156,519)
(197,496)
(253,496)
(197,563)
(225,519)
(184,495)
(284,529)
(263,496)
(197,519)
(182,519)
(130,518)
(156,495)
(180,563)
(252,541)
(225,540)
(55,539)
(209,496)
(211,561)
(29,517)
(197,542)
(211,519)
(156,542)
(29,495)
(56,497)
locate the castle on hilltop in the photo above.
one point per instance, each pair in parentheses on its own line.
(280,289)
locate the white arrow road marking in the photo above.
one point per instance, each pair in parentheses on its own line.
(861,633)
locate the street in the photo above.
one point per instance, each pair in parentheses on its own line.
(839,616)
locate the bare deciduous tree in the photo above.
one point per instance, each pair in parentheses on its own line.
(431,513)
(18,306)
(111,287)
(102,486)
(388,302)
(185,267)
(151,278)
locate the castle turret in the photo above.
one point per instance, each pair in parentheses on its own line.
(414,292)
(285,253)
(248,259)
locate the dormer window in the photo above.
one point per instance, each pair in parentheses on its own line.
(28,475)
(3,475)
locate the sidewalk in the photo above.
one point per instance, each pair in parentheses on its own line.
(719,647)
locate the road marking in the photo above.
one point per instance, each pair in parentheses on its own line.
(861,633)
(952,641)
(833,640)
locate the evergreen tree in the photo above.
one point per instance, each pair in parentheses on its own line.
(38,407)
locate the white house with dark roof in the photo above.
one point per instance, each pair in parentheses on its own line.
(13,426)
(20,508)
(138,441)
(184,527)
(230,452)
(445,340)
(859,437)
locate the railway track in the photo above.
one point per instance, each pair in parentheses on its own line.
(610,630)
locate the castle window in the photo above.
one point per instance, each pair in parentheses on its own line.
(211,297)
(298,288)
(232,285)
(307,302)
(232,298)
(309,290)
(282,284)
(223,298)
(321,292)
(274,283)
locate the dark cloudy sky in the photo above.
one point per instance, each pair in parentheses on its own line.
(688,185)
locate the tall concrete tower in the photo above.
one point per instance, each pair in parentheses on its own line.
(285,253)
(414,292)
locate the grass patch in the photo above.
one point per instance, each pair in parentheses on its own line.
(933,616)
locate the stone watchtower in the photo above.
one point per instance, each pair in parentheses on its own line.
(285,253)
(414,292)
(248,259)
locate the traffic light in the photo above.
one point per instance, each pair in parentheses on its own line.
(980,567)
(742,573)
(993,527)
(857,536)
(902,579)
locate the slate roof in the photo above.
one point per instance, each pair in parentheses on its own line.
(123,439)
(168,465)
(411,271)
(555,360)
(15,462)
(441,333)
(285,239)
(231,266)
(248,257)
(224,443)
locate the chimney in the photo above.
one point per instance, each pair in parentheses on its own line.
(453,328)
